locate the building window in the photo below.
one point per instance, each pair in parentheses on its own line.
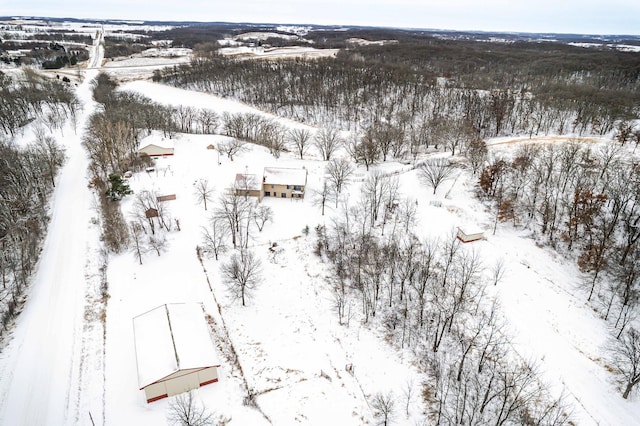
(288,186)
(267,194)
(297,188)
(283,195)
(271,186)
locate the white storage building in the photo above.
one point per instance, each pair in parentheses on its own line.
(174,351)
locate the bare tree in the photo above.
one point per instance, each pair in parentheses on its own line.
(51,153)
(338,171)
(342,303)
(261,215)
(300,139)
(272,135)
(408,392)
(209,121)
(383,407)
(242,274)
(158,243)
(203,192)
(625,352)
(377,191)
(233,210)
(515,390)
(435,171)
(185,411)
(136,236)
(408,213)
(364,148)
(322,195)
(232,147)
(498,271)
(215,236)
(327,141)
(109,142)
(476,153)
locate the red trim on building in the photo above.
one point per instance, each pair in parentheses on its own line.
(209,382)
(157,398)
(469,241)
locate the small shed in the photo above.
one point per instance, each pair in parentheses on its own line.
(168,197)
(151,212)
(470,234)
(174,351)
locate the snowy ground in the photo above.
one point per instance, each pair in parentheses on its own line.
(141,66)
(292,350)
(277,52)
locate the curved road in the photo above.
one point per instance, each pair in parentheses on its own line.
(39,366)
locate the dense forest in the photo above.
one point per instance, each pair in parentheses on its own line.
(522,88)
(27,177)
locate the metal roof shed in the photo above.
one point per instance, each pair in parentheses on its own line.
(174,352)
(470,234)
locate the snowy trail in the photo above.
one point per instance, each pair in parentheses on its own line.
(37,366)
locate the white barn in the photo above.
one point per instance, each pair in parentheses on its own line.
(174,351)
(156,147)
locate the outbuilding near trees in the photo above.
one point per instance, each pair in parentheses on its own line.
(156,148)
(174,351)
(469,234)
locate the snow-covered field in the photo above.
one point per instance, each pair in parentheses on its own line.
(277,52)
(58,370)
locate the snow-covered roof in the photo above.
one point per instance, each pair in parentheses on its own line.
(282,176)
(249,182)
(170,338)
(471,229)
(157,141)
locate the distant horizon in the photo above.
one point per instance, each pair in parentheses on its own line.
(583,17)
(134,21)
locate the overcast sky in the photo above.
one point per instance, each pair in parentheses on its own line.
(560,16)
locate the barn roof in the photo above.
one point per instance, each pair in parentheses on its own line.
(170,338)
(470,229)
(158,141)
(282,176)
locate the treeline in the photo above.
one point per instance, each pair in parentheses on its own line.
(33,97)
(27,177)
(363,87)
(123,47)
(584,202)
(516,65)
(51,55)
(431,297)
(111,140)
